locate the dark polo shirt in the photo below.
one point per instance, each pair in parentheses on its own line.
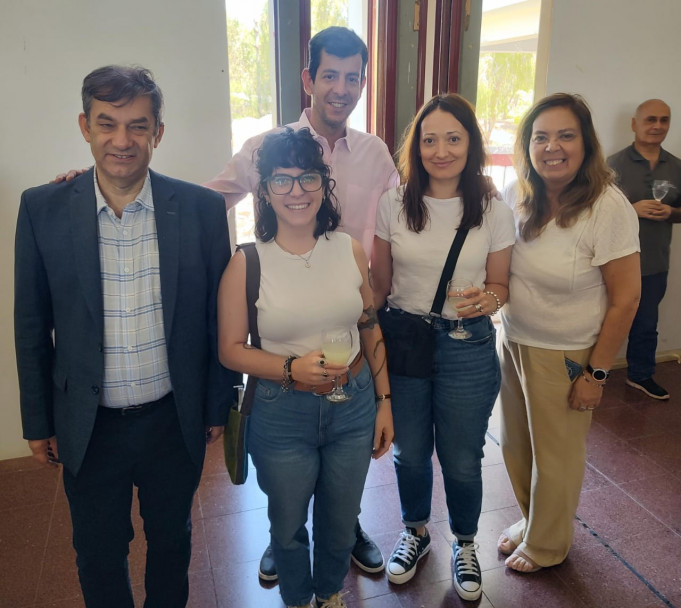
(635,179)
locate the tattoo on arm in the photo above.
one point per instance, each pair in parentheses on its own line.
(371,319)
(380,346)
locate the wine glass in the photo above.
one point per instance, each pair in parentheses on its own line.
(337,347)
(660,189)
(457,287)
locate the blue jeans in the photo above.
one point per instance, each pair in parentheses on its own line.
(643,333)
(302,446)
(449,410)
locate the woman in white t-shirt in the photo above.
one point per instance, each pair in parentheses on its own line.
(312,279)
(441,163)
(575,285)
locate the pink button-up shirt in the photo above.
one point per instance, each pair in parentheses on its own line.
(360,163)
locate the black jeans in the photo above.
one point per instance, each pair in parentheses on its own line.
(643,334)
(145,450)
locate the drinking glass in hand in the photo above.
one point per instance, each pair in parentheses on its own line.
(337,347)
(455,289)
(660,189)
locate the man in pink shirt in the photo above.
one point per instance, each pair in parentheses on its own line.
(360,162)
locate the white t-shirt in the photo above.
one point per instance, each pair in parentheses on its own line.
(418,259)
(557,296)
(297,303)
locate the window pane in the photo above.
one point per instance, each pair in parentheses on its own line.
(508,51)
(251,85)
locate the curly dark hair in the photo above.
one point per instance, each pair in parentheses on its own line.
(288,148)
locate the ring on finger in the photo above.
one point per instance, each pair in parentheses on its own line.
(322,362)
(325,373)
(478,307)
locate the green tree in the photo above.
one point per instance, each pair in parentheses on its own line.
(248,48)
(326,13)
(505,87)
(250,75)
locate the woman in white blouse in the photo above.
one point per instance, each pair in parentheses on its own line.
(448,406)
(575,285)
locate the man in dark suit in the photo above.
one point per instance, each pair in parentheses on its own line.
(116,276)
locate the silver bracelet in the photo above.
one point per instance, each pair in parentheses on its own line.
(496,297)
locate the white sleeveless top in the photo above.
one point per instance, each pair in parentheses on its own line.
(297,303)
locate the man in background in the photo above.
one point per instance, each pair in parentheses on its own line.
(116,278)
(637,167)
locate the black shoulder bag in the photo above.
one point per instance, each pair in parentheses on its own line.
(410,339)
(236,452)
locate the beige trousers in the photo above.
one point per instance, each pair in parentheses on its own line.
(543,442)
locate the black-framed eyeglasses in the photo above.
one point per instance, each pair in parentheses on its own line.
(283,184)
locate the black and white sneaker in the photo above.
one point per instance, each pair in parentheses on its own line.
(410,548)
(650,388)
(467,576)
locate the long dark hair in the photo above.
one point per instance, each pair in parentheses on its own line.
(592,178)
(472,184)
(288,148)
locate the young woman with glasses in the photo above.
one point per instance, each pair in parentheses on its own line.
(305,442)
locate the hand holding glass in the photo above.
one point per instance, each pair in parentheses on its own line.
(455,289)
(337,347)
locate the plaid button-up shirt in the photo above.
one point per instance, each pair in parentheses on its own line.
(135,356)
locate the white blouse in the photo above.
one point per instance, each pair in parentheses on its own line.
(557,296)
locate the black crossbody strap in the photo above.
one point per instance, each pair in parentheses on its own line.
(448,271)
(252,293)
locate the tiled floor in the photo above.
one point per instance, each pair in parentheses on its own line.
(627,549)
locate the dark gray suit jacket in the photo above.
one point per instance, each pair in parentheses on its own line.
(58,310)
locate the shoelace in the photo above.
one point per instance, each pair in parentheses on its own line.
(335,601)
(466,560)
(408,546)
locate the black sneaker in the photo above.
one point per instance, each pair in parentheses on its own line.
(467,576)
(410,548)
(650,388)
(365,553)
(267,571)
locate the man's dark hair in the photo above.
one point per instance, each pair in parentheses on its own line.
(116,83)
(293,149)
(338,41)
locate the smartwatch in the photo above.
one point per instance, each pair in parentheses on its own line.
(598,374)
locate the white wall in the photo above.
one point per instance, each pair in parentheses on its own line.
(617,54)
(46,48)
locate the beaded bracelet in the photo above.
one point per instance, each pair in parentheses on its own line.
(287,378)
(496,297)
